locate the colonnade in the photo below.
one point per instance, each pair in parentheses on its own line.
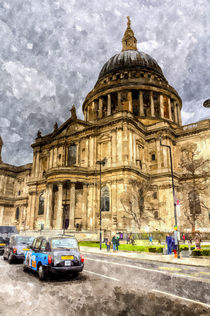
(104,105)
(53,216)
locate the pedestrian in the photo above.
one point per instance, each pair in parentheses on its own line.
(132,240)
(169,244)
(128,239)
(108,244)
(174,247)
(197,242)
(114,243)
(117,242)
(150,240)
(183,237)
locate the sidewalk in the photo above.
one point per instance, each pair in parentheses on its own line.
(201,262)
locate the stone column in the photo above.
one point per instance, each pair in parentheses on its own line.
(175,112)
(134,148)
(119,101)
(22,218)
(130,146)
(161,106)
(84,208)
(179,115)
(130,103)
(109,154)
(72,206)
(152,104)
(59,217)
(37,165)
(33,166)
(169,109)
(158,153)
(28,211)
(114,205)
(141,103)
(51,158)
(114,147)
(1,215)
(108,104)
(55,157)
(48,205)
(119,145)
(94,204)
(32,213)
(93,112)
(87,113)
(91,151)
(100,107)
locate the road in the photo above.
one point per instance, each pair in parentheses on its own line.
(108,286)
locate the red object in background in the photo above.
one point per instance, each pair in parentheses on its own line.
(49,259)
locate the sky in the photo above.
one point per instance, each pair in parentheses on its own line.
(51,53)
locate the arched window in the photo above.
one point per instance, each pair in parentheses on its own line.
(194,202)
(105,199)
(72,154)
(41,204)
(17,213)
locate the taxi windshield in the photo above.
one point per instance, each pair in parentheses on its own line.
(66,243)
(24,240)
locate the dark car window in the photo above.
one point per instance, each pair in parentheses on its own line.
(33,244)
(24,240)
(67,243)
(43,245)
(8,229)
(37,243)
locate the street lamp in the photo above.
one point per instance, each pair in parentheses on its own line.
(100,163)
(174,197)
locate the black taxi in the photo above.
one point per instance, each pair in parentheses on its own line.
(59,254)
(16,248)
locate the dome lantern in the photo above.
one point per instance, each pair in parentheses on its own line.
(129,41)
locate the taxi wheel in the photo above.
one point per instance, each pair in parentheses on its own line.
(10,260)
(41,273)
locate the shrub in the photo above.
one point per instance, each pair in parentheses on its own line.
(200,252)
(156,249)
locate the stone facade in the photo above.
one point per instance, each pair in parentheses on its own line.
(124,115)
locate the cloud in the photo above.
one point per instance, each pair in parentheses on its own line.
(27,83)
(52,52)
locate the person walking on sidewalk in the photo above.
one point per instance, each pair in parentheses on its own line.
(197,242)
(114,243)
(117,242)
(108,244)
(169,244)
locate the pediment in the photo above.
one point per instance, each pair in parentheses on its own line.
(70,127)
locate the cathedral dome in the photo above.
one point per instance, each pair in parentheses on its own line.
(132,81)
(130,59)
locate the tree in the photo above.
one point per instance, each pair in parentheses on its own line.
(137,203)
(193,185)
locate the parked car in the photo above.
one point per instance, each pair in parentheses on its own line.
(2,245)
(17,246)
(6,232)
(55,255)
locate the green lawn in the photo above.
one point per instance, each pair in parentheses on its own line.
(140,245)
